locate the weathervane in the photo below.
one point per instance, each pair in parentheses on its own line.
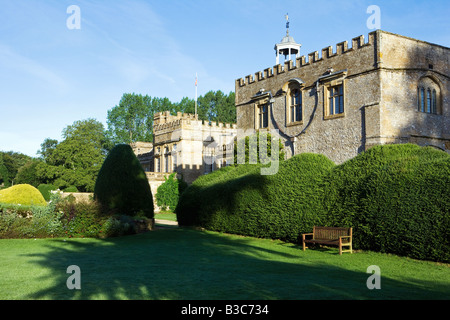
(287,24)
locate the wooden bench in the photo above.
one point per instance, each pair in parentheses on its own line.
(330,236)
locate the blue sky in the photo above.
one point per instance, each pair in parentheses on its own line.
(52,76)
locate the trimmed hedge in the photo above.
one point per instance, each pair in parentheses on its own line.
(240,200)
(190,203)
(22,194)
(122,186)
(396,198)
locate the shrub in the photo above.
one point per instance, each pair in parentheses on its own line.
(168,193)
(241,200)
(22,194)
(118,226)
(396,199)
(71,189)
(30,221)
(80,218)
(46,189)
(122,186)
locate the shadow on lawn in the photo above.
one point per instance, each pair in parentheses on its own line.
(186,264)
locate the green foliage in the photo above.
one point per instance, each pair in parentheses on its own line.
(168,193)
(4,173)
(22,194)
(71,189)
(122,186)
(396,199)
(63,217)
(253,152)
(17,221)
(46,189)
(80,218)
(131,120)
(26,174)
(77,159)
(10,162)
(240,200)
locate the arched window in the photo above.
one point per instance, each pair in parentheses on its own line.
(295,105)
(166,159)
(174,157)
(428,95)
(263,116)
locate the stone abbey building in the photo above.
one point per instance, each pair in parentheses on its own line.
(388,89)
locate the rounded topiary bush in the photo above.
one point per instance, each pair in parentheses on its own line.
(22,194)
(122,186)
(396,198)
(243,201)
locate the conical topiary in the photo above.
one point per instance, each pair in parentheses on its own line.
(122,186)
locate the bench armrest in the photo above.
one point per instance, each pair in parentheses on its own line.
(307,234)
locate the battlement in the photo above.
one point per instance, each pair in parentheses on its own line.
(165,121)
(342,48)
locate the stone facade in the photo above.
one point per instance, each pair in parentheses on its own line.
(390,89)
(187,146)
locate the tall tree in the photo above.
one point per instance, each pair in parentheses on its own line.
(47,148)
(131,120)
(217,106)
(76,160)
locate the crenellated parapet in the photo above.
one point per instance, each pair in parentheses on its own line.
(164,121)
(341,49)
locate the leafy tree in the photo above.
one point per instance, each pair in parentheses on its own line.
(10,162)
(27,174)
(131,120)
(213,106)
(76,160)
(47,148)
(4,173)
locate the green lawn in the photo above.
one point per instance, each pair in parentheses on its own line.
(166,216)
(182,263)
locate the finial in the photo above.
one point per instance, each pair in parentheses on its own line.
(287,24)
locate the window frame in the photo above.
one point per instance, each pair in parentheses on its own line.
(428,96)
(294,106)
(263,117)
(330,82)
